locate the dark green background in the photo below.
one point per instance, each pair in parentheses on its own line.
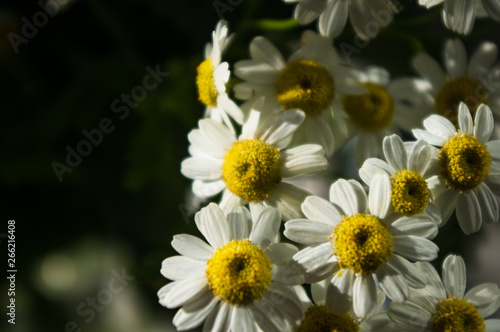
(121,206)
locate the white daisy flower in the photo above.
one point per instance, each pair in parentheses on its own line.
(319,318)
(311,80)
(444,306)
(408,171)
(469,167)
(237,282)
(367,17)
(459,15)
(382,110)
(470,81)
(212,78)
(250,169)
(352,242)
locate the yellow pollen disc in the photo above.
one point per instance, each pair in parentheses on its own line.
(456,315)
(463,89)
(319,319)
(372,111)
(362,243)
(306,85)
(239,273)
(251,169)
(207,93)
(410,193)
(464,162)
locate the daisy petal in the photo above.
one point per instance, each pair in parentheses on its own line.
(428,137)
(229,201)
(483,123)
(339,292)
(380,196)
(420,156)
(240,223)
(185,291)
(307,10)
(393,284)
(446,202)
(266,227)
(255,71)
(440,126)
(285,126)
(242,319)
(492,325)
(494,149)
(454,276)
(459,16)
(263,50)
(469,212)
(488,203)
(433,281)
(306,165)
(415,248)
(213,225)
(428,68)
(181,267)
(343,194)
(372,167)
(465,119)
(409,315)
(287,199)
(455,58)
(364,295)
(201,168)
(485,56)
(307,231)
(191,246)
(485,297)
(194,314)
(332,20)
(317,208)
(208,188)
(395,152)
(407,269)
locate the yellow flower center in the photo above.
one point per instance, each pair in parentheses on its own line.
(463,89)
(251,169)
(410,194)
(464,162)
(305,85)
(319,319)
(207,93)
(239,273)
(371,111)
(456,315)
(362,243)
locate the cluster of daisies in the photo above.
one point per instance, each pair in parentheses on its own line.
(370,242)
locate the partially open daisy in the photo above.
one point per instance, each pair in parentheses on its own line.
(212,78)
(352,243)
(319,318)
(409,188)
(250,169)
(469,167)
(443,306)
(382,110)
(460,15)
(471,82)
(236,280)
(311,80)
(367,17)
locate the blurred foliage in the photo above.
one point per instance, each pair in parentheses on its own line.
(129,190)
